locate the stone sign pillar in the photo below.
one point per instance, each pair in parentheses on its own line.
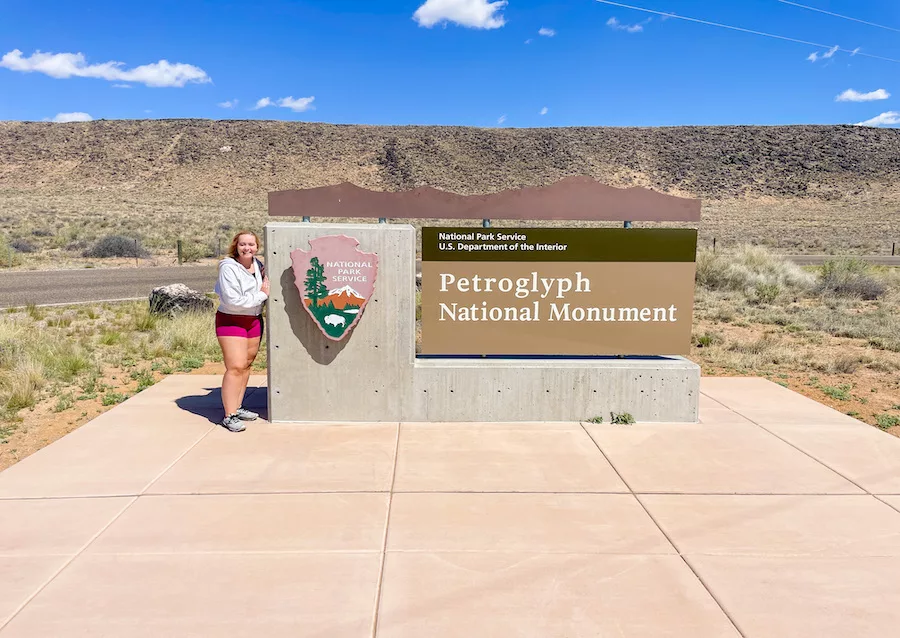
(364,375)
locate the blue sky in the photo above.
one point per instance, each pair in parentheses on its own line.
(521,63)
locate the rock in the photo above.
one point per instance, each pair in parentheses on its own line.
(176,298)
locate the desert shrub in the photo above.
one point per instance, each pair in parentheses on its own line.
(849,278)
(116,246)
(707,339)
(8,256)
(753,271)
(22,246)
(41,232)
(21,387)
(195,251)
(766,293)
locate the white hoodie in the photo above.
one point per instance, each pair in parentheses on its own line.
(238,290)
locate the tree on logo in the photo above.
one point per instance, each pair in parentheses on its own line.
(315,281)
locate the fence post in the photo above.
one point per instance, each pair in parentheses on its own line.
(218,247)
(135,253)
(893,248)
(179,252)
(714,244)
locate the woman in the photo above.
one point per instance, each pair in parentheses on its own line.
(243,288)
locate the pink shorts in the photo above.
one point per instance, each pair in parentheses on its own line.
(238,326)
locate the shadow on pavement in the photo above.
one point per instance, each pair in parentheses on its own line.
(209,405)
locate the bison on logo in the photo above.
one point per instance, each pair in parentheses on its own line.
(335,279)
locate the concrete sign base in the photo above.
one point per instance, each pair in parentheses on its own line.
(373,373)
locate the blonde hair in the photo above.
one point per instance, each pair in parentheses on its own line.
(233,251)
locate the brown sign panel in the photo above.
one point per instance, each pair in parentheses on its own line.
(611,299)
(571,198)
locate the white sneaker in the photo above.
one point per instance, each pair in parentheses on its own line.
(233,423)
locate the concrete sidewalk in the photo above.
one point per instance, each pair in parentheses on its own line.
(774,516)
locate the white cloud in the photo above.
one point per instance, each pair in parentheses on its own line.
(297,105)
(67,65)
(885,119)
(855,51)
(229,104)
(529,41)
(546,32)
(855,96)
(815,56)
(501,119)
(121,86)
(544,111)
(72,117)
(614,23)
(476,14)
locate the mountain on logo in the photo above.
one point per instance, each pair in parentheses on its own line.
(341,298)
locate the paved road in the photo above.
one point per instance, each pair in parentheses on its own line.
(75,286)
(49,287)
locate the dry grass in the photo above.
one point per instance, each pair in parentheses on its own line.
(73,361)
(828,342)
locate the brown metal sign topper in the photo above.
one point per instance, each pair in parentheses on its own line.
(572,198)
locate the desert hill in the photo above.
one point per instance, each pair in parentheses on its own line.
(801,188)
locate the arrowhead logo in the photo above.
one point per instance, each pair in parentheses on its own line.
(335,280)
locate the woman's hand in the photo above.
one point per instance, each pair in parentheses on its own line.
(265,285)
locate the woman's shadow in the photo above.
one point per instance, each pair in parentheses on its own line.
(209,405)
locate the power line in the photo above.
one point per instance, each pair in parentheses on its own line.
(838,15)
(743,30)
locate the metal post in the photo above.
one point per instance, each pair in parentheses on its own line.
(179,252)
(893,248)
(485,223)
(135,253)
(627,224)
(714,244)
(219,247)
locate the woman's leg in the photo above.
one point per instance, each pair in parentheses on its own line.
(252,350)
(234,352)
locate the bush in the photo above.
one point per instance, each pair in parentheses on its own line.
(850,278)
(8,256)
(116,246)
(753,271)
(23,246)
(195,251)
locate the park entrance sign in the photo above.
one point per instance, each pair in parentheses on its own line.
(557,291)
(517,324)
